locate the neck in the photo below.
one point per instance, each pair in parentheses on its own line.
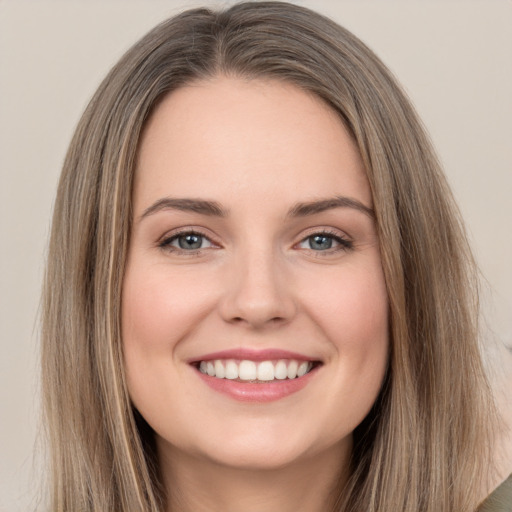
(197,485)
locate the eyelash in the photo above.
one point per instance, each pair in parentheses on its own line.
(165,244)
(344,244)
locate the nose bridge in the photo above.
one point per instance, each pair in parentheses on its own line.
(257,292)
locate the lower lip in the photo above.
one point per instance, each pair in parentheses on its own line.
(261,392)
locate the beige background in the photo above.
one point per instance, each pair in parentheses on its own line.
(453,57)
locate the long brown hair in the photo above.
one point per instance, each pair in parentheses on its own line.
(425,445)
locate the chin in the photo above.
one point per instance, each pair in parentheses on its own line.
(256,458)
(266,452)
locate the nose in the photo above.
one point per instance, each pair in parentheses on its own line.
(257,293)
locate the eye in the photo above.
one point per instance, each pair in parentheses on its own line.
(322,242)
(186,241)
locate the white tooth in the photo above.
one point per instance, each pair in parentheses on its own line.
(210,369)
(231,370)
(247,370)
(220,372)
(292,369)
(303,369)
(266,370)
(202,367)
(280,371)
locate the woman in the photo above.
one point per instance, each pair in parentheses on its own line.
(259,294)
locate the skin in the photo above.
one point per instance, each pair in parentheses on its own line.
(256,148)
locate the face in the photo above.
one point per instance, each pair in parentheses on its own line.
(254,309)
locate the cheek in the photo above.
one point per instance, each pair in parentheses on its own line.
(160,307)
(360,331)
(351,305)
(354,318)
(160,311)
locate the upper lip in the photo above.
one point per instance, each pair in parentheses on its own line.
(268,354)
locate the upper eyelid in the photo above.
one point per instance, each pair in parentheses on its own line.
(327,234)
(330,231)
(185,231)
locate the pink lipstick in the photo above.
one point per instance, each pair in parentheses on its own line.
(256,375)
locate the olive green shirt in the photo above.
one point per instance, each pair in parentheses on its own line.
(500,500)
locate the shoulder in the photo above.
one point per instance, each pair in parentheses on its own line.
(500,500)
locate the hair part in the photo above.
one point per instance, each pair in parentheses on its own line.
(426,443)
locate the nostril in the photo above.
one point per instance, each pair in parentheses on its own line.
(258,322)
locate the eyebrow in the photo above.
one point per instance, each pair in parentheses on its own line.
(319,206)
(210,208)
(214,209)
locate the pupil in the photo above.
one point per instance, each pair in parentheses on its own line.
(190,242)
(320,242)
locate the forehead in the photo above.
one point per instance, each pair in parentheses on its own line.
(243,135)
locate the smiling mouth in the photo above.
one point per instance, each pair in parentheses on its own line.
(256,372)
